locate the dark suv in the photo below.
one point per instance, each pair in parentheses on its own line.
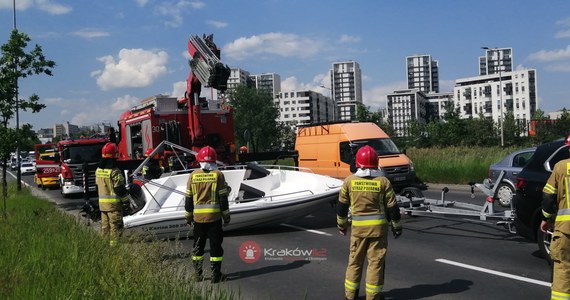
(530,182)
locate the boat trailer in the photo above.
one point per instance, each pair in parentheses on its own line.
(412,205)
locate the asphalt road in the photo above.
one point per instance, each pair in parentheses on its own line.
(434,258)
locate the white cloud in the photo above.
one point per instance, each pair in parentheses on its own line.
(178,89)
(141,3)
(217,24)
(553,55)
(173,11)
(319,80)
(345,38)
(273,43)
(90,33)
(563,34)
(560,67)
(563,22)
(124,103)
(48,6)
(53,101)
(376,97)
(134,68)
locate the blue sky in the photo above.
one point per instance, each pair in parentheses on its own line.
(110,54)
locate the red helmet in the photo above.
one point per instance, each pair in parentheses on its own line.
(568,140)
(366,157)
(109,151)
(243,149)
(148,152)
(207,154)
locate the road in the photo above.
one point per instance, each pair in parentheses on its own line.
(433,259)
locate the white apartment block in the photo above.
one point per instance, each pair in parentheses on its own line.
(493,95)
(305,107)
(346,88)
(437,105)
(422,73)
(496,60)
(269,82)
(237,77)
(405,106)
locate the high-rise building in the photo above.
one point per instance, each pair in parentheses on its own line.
(422,73)
(238,77)
(346,88)
(305,107)
(495,60)
(269,82)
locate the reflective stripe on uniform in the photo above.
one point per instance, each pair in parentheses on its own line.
(108,199)
(559,295)
(195,258)
(351,286)
(206,208)
(373,289)
(216,258)
(563,215)
(549,189)
(368,220)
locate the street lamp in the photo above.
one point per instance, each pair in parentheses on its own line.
(495,50)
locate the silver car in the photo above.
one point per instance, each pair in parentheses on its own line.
(512,164)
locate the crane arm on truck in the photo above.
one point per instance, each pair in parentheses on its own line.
(206,70)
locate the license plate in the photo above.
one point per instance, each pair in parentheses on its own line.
(399,178)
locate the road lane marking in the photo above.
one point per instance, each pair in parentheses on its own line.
(306,229)
(520,278)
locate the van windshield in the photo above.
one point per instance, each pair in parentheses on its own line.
(383,146)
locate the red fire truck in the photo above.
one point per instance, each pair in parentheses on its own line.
(79,157)
(47,166)
(191,122)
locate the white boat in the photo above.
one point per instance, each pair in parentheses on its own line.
(260,196)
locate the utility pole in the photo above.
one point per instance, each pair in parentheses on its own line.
(18,162)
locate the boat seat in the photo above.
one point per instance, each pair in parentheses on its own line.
(255,171)
(249,193)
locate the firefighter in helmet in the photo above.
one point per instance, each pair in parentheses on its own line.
(206,207)
(152,169)
(243,149)
(113,194)
(371,199)
(556,209)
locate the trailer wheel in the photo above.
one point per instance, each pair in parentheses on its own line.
(410,192)
(543,240)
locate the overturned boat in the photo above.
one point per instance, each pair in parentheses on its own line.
(260,195)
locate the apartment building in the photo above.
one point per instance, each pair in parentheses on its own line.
(404,106)
(422,73)
(346,88)
(305,107)
(269,82)
(496,60)
(494,95)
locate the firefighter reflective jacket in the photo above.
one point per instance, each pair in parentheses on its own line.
(207,196)
(108,182)
(558,186)
(368,200)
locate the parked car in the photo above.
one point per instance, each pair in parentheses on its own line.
(27,168)
(512,164)
(530,182)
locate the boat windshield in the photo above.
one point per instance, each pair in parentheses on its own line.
(76,154)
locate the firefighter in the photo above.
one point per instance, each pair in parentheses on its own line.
(372,202)
(152,169)
(243,149)
(113,194)
(556,209)
(206,207)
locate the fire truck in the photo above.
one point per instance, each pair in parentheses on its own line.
(47,166)
(78,158)
(191,121)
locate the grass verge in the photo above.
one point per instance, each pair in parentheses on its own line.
(47,254)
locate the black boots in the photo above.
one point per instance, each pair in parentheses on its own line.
(198,274)
(217,275)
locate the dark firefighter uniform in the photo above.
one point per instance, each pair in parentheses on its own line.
(206,205)
(152,170)
(113,200)
(556,207)
(368,199)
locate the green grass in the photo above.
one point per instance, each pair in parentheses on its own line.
(456,165)
(47,254)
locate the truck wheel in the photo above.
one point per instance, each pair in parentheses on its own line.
(505,194)
(543,241)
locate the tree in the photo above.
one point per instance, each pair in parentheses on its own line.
(255,117)
(15,64)
(287,135)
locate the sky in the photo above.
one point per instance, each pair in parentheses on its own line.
(111,54)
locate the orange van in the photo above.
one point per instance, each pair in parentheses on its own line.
(329,149)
